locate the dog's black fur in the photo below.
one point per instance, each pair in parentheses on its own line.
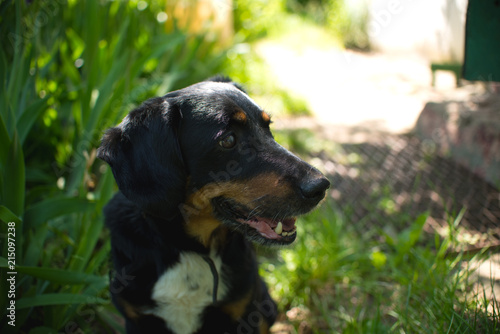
(200,173)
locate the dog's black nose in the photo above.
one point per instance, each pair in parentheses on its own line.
(314,188)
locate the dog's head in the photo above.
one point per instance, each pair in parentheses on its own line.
(206,153)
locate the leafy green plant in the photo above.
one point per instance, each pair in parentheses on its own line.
(68,70)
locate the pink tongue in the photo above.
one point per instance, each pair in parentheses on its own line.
(263,226)
(263,229)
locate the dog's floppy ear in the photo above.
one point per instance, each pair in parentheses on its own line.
(144,155)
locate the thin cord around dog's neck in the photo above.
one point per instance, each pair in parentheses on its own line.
(207,259)
(215,274)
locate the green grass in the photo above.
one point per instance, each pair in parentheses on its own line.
(352,280)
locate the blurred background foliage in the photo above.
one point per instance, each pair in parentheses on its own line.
(346,21)
(70,69)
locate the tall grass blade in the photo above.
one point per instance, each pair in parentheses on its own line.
(14,178)
(4,141)
(29,116)
(36,242)
(86,244)
(105,93)
(8,216)
(43,330)
(58,299)
(61,276)
(91,37)
(55,207)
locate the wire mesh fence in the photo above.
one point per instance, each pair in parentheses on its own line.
(390,180)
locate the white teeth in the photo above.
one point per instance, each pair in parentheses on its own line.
(279,228)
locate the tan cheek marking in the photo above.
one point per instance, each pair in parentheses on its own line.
(198,214)
(269,184)
(266,117)
(245,192)
(198,211)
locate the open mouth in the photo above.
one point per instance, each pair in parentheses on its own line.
(260,228)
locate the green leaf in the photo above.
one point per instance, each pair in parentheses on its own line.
(55,207)
(38,175)
(8,216)
(58,299)
(121,44)
(27,93)
(105,93)
(3,76)
(105,189)
(43,330)
(164,44)
(14,80)
(4,106)
(36,240)
(61,276)
(93,69)
(416,228)
(99,257)
(88,239)
(29,116)
(4,139)
(14,177)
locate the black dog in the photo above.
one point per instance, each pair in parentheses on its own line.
(200,175)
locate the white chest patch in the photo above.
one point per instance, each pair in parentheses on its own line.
(184,290)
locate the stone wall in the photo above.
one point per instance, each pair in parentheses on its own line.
(466,127)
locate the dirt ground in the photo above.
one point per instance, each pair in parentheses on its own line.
(347,88)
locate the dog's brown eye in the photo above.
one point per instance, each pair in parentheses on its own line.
(228,141)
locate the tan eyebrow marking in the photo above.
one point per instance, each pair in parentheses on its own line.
(240,116)
(266,117)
